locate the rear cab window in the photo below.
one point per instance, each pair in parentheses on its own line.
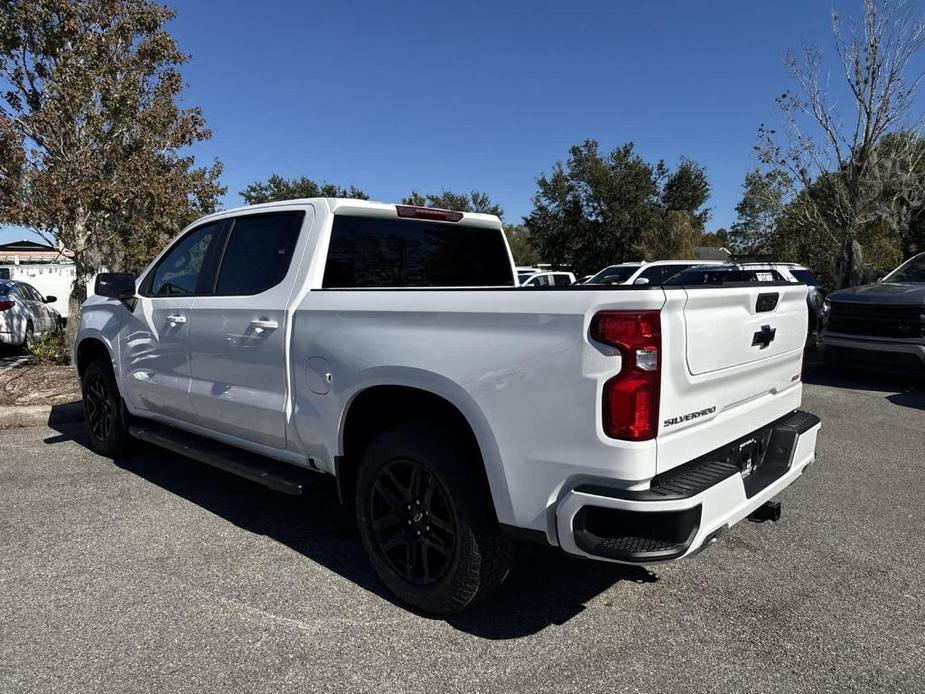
(384,252)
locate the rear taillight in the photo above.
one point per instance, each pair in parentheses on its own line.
(631,397)
(415,212)
(6,304)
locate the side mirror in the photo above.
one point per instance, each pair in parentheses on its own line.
(641,280)
(50,299)
(115,285)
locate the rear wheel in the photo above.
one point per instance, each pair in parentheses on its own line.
(103,410)
(426,519)
(28,337)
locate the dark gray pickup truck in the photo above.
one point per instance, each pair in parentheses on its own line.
(881,325)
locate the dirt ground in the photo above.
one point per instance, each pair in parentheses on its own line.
(23,382)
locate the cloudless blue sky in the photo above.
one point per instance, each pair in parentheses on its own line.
(395,96)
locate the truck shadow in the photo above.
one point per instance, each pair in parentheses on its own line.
(546,587)
(905,391)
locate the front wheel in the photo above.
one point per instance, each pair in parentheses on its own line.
(103,410)
(426,519)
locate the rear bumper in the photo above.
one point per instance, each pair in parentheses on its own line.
(685,510)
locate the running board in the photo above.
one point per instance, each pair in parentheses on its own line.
(272,474)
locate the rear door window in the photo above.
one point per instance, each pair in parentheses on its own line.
(386,252)
(258,253)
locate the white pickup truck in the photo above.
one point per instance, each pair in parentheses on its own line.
(389,346)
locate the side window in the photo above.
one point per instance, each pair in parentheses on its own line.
(660,273)
(258,253)
(181,270)
(561,280)
(35,293)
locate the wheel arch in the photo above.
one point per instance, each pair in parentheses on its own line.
(378,406)
(87,350)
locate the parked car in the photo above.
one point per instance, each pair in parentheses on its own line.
(654,273)
(549,279)
(388,346)
(794,272)
(718,275)
(24,313)
(880,325)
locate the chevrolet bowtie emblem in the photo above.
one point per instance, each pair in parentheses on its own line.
(764,337)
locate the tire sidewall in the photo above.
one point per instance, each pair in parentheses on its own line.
(98,371)
(454,590)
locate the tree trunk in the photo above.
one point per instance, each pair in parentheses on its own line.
(76,299)
(851,264)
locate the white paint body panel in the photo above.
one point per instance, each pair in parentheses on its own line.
(518,364)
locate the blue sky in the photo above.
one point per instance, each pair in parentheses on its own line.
(395,96)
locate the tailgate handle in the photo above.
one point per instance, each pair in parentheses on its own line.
(766,302)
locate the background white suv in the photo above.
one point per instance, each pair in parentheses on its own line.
(645,273)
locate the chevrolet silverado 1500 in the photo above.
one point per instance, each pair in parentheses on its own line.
(390,346)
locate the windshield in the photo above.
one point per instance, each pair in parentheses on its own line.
(911,271)
(613,275)
(806,277)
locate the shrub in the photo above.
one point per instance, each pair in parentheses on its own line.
(49,348)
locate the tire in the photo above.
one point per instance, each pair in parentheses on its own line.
(28,336)
(426,520)
(103,411)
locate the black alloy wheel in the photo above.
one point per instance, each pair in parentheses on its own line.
(412,518)
(103,410)
(101,414)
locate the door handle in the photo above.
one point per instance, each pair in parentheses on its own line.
(261,325)
(176,319)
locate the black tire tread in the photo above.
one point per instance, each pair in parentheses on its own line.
(121,440)
(485,552)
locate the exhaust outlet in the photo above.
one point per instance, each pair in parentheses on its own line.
(768,511)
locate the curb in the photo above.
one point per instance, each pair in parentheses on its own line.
(17,416)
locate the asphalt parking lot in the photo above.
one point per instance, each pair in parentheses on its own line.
(158,574)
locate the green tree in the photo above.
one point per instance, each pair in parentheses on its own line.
(518,238)
(277,188)
(759,210)
(599,209)
(591,211)
(92,136)
(717,239)
(831,146)
(686,189)
(674,235)
(474,201)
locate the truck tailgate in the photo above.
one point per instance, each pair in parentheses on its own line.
(734,357)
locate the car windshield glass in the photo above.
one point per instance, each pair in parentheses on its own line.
(912,271)
(711,276)
(805,276)
(613,275)
(524,276)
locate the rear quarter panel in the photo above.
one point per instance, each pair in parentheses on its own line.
(517,363)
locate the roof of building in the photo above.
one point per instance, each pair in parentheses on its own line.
(712,253)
